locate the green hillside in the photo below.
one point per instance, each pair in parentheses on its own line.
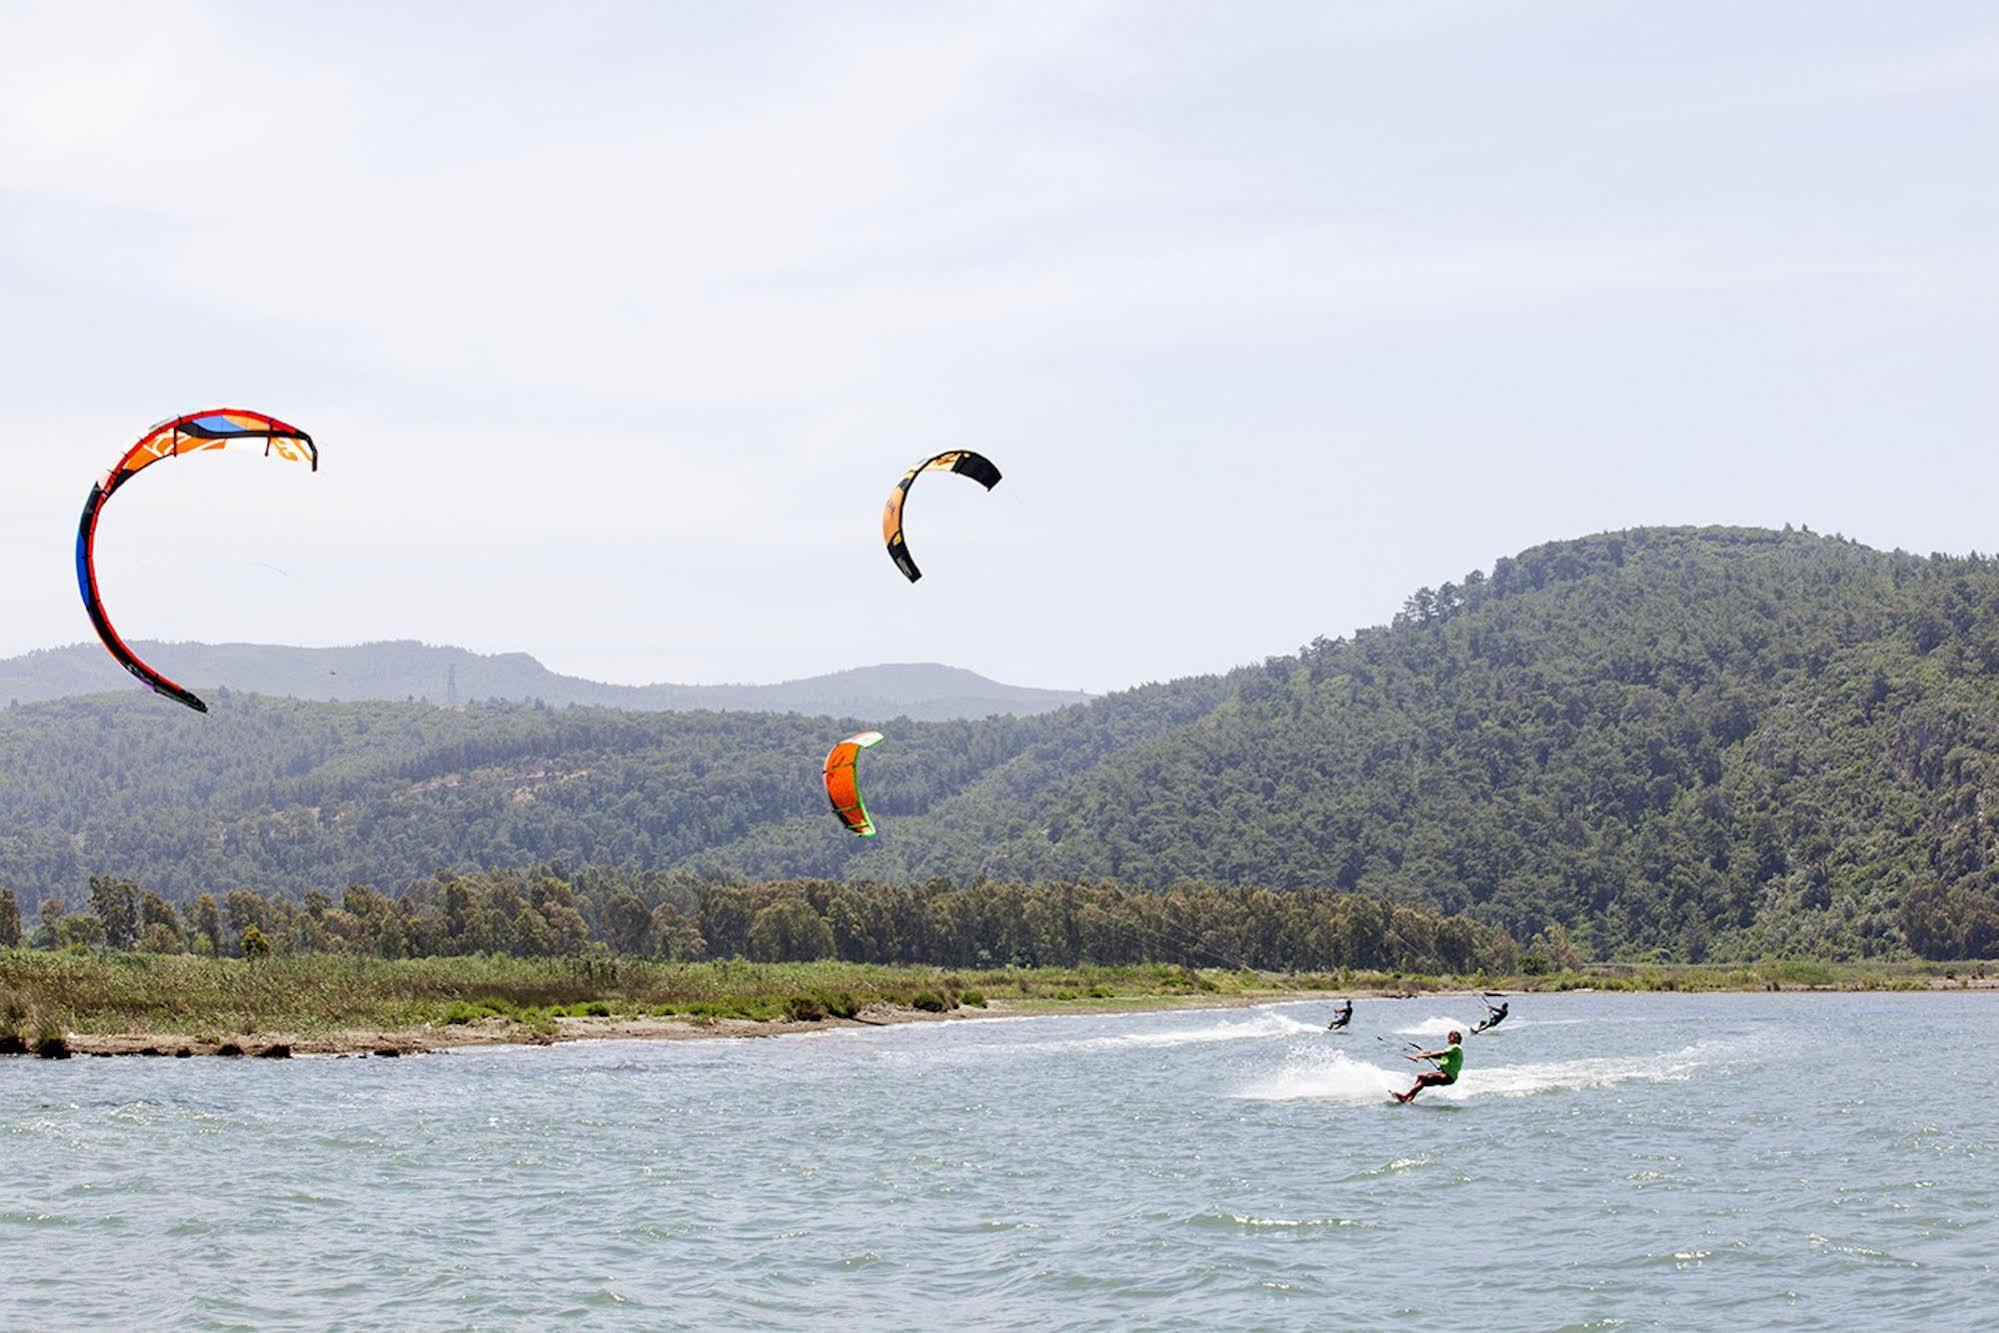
(1706,743)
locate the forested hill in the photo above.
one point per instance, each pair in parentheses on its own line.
(428,674)
(1701,742)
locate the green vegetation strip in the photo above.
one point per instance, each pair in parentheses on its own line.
(133,993)
(47,994)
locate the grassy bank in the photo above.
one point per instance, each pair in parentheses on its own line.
(120,1001)
(216,1001)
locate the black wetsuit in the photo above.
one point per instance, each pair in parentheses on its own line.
(1493,1018)
(1341,1017)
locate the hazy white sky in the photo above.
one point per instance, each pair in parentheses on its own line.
(616,322)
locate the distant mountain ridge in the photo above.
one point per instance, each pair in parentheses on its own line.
(405,670)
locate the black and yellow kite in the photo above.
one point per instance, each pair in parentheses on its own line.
(961,461)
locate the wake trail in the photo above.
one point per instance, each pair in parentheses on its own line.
(1261,1025)
(1338,1078)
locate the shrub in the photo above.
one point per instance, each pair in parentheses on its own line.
(1100,992)
(461,1012)
(929,1001)
(804,1009)
(1800,973)
(973,999)
(840,1004)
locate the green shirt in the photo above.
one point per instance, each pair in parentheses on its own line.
(1452,1060)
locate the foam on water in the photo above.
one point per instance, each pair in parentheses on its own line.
(1259,1025)
(1435,1027)
(1138,1032)
(1326,1075)
(1334,1076)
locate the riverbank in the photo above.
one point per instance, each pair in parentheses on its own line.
(97,1003)
(139,1004)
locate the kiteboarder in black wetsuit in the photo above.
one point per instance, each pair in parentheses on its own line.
(1341,1017)
(1494,1016)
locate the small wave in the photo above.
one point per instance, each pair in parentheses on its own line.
(1435,1027)
(1858,1252)
(1284,1223)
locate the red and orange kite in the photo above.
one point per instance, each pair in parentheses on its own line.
(199,432)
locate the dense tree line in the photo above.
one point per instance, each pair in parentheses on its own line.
(1692,743)
(544,912)
(1700,744)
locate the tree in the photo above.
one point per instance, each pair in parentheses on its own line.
(208,923)
(676,937)
(81,928)
(789,931)
(392,937)
(247,909)
(1556,946)
(158,922)
(628,926)
(571,933)
(255,944)
(49,934)
(116,904)
(10,920)
(532,937)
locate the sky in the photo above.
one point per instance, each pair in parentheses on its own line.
(615,323)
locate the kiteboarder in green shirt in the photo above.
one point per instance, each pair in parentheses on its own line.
(1449,1061)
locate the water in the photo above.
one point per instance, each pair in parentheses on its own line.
(1636,1161)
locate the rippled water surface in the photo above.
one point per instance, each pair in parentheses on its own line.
(1720,1161)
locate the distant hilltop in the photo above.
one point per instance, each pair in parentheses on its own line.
(405,669)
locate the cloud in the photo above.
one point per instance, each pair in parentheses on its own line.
(627,306)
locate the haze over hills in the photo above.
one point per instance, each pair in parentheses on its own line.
(1693,743)
(407,670)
